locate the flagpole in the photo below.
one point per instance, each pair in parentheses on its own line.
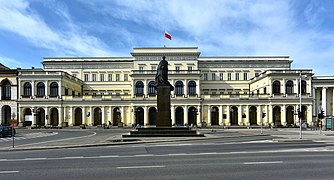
(164,38)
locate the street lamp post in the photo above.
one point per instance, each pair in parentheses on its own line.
(300,105)
(13,125)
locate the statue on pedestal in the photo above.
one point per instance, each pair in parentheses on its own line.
(161,77)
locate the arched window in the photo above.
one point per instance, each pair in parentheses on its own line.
(151,88)
(303,87)
(179,88)
(6,92)
(40,89)
(54,89)
(276,87)
(191,87)
(289,87)
(27,89)
(139,88)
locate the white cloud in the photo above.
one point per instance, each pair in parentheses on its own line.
(9,62)
(17,17)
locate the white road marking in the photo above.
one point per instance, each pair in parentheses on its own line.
(209,153)
(34,159)
(94,133)
(29,136)
(109,156)
(264,162)
(178,154)
(140,167)
(8,172)
(74,157)
(143,155)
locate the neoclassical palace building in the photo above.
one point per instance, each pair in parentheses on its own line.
(215,91)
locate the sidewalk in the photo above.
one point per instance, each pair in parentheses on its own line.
(106,139)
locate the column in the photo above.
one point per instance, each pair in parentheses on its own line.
(247,115)
(185,115)
(91,123)
(228,115)
(59,89)
(209,115)
(145,89)
(240,115)
(267,114)
(103,115)
(83,121)
(46,88)
(315,110)
(309,115)
(33,89)
(324,98)
(259,115)
(283,117)
(111,114)
(133,89)
(284,88)
(186,88)
(46,115)
(172,109)
(60,110)
(123,114)
(317,101)
(19,90)
(146,121)
(199,119)
(132,116)
(198,88)
(70,123)
(270,114)
(33,116)
(296,120)
(221,115)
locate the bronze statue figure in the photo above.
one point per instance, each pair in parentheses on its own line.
(161,77)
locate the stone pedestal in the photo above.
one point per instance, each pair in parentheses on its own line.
(163,102)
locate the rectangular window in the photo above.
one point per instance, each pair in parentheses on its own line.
(66,92)
(190,68)
(117,77)
(93,77)
(153,68)
(85,77)
(256,74)
(245,76)
(177,68)
(101,77)
(141,68)
(229,76)
(213,76)
(221,76)
(126,77)
(205,76)
(237,76)
(109,77)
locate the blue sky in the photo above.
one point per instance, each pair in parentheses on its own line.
(302,29)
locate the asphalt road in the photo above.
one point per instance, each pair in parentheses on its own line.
(254,157)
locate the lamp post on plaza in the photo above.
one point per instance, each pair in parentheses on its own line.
(300,111)
(13,124)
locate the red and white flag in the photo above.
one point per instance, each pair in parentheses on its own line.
(168,36)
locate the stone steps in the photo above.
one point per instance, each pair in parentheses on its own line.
(164,132)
